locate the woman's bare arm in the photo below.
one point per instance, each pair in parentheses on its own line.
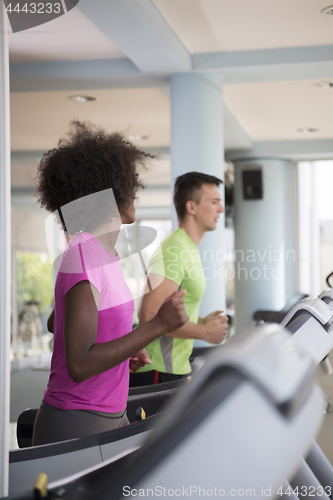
(84,357)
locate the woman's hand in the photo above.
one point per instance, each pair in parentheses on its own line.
(139,360)
(172,313)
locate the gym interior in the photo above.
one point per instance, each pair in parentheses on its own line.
(238,90)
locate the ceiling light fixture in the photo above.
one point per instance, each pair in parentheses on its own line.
(82,98)
(139,137)
(323,85)
(307,130)
(328,11)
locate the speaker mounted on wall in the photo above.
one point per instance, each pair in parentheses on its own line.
(252,183)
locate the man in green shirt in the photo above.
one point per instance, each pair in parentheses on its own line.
(176,266)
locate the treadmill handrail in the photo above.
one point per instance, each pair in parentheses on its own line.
(328,279)
(46,450)
(316,307)
(164,386)
(245,355)
(326,294)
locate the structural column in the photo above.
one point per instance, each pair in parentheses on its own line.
(265,255)
(4,253)
(197,145)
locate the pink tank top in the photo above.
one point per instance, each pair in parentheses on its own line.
(86,259)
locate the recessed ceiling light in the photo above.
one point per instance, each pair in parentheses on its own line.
(323,85)
(139,137)
(328,11)
(82,98)
(307,130)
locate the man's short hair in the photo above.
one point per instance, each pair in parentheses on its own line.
(187,188)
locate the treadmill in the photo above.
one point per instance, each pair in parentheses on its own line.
(327,297)
(310,319)
(69,457)
(239,429)
(151,399)
(311,323)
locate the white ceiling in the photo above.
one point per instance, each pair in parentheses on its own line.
(68,38)
(139,104)
(38,119)
(232,25)
(275,110)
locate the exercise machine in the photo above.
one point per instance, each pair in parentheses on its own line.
(72,456)
(242,425)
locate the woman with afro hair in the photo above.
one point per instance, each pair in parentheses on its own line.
(90,182)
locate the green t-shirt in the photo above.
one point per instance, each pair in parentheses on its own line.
(181,264)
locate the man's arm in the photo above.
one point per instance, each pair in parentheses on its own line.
(213,331)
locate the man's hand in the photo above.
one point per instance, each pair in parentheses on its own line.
(216,330)
(209,317)
(139,360)
(160,293)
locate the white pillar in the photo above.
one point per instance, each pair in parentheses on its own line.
(4,253)
(197,145)
(264,241)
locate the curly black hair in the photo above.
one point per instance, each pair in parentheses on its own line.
(89,160)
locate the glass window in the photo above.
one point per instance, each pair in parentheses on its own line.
(315,225)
